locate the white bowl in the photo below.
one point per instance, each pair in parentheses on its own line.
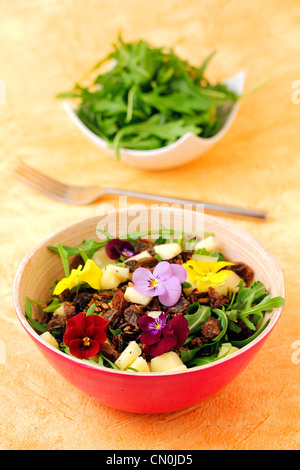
(187,148)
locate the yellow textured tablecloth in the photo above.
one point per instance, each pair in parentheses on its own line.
(45,47)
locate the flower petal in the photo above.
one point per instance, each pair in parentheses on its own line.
(95,320)
(76,349)
(151,337)
(115,248)
(146,323)
(178,271)
(72,333)
(218,278)
(80,326)
(142,276)
(173,292)
(142,279)
(162,271)
(112,248)
(215,267)
(91,274)
(127,249)
(181,329)
(167,342)
(77,321)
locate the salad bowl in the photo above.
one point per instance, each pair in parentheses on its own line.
(184,150)
(153,392)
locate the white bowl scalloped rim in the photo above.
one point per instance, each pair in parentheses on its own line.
(184,150)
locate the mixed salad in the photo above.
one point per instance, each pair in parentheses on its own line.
(144,304)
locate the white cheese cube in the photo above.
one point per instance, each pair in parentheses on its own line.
(233,281)
(141,255)
(109,281)
(221,288)
(204,258)
(101,259)
(226,349)
(140,364)
(167,361)
(49,338)
(119,271)
(189,290)
(154,313)
(135,297)
(128,356)
(208,243)
(168,251)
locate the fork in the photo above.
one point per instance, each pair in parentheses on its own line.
(80,195)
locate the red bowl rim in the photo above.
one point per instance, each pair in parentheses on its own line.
(231,357)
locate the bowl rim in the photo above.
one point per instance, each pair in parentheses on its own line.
(226,225)
(162,150)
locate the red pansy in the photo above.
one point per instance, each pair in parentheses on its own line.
(85,334)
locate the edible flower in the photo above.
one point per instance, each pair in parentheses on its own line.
(164,282)
(205,274)
(91,274)
(85,334)
(160,336)
(116,248)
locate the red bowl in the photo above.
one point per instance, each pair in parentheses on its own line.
(146,392)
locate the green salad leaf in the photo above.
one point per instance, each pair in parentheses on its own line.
(197,314)
(36,325)
(149,97)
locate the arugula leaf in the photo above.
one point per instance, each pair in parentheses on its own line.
(250,303)
(186,285)
(187,355)
(91,309)
(266,304)
(88,247)
(243,342)
(111,364)
(197,314)
(224,323)
(213,254)
(149,98)
(115,332)
(56,302)
(63,347)
(38,326)
(204,354)
(249,295)
(65,258)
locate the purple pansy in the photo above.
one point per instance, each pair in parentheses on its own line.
(159,336)
(164,282)
(116,248)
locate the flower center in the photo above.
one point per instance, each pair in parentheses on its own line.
(158,325)
(86,342)
(154,282)
(125,252)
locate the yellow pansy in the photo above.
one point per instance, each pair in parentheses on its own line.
(90,274)
(205,274)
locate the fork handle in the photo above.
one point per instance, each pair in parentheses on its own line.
(206,205)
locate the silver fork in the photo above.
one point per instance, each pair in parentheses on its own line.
(72,194)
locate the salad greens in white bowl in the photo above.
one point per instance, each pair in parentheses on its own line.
(152,109)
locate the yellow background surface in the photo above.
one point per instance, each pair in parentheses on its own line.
(45,47)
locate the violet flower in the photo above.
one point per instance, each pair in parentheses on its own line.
(116,248)
(164,282)
(159,336)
